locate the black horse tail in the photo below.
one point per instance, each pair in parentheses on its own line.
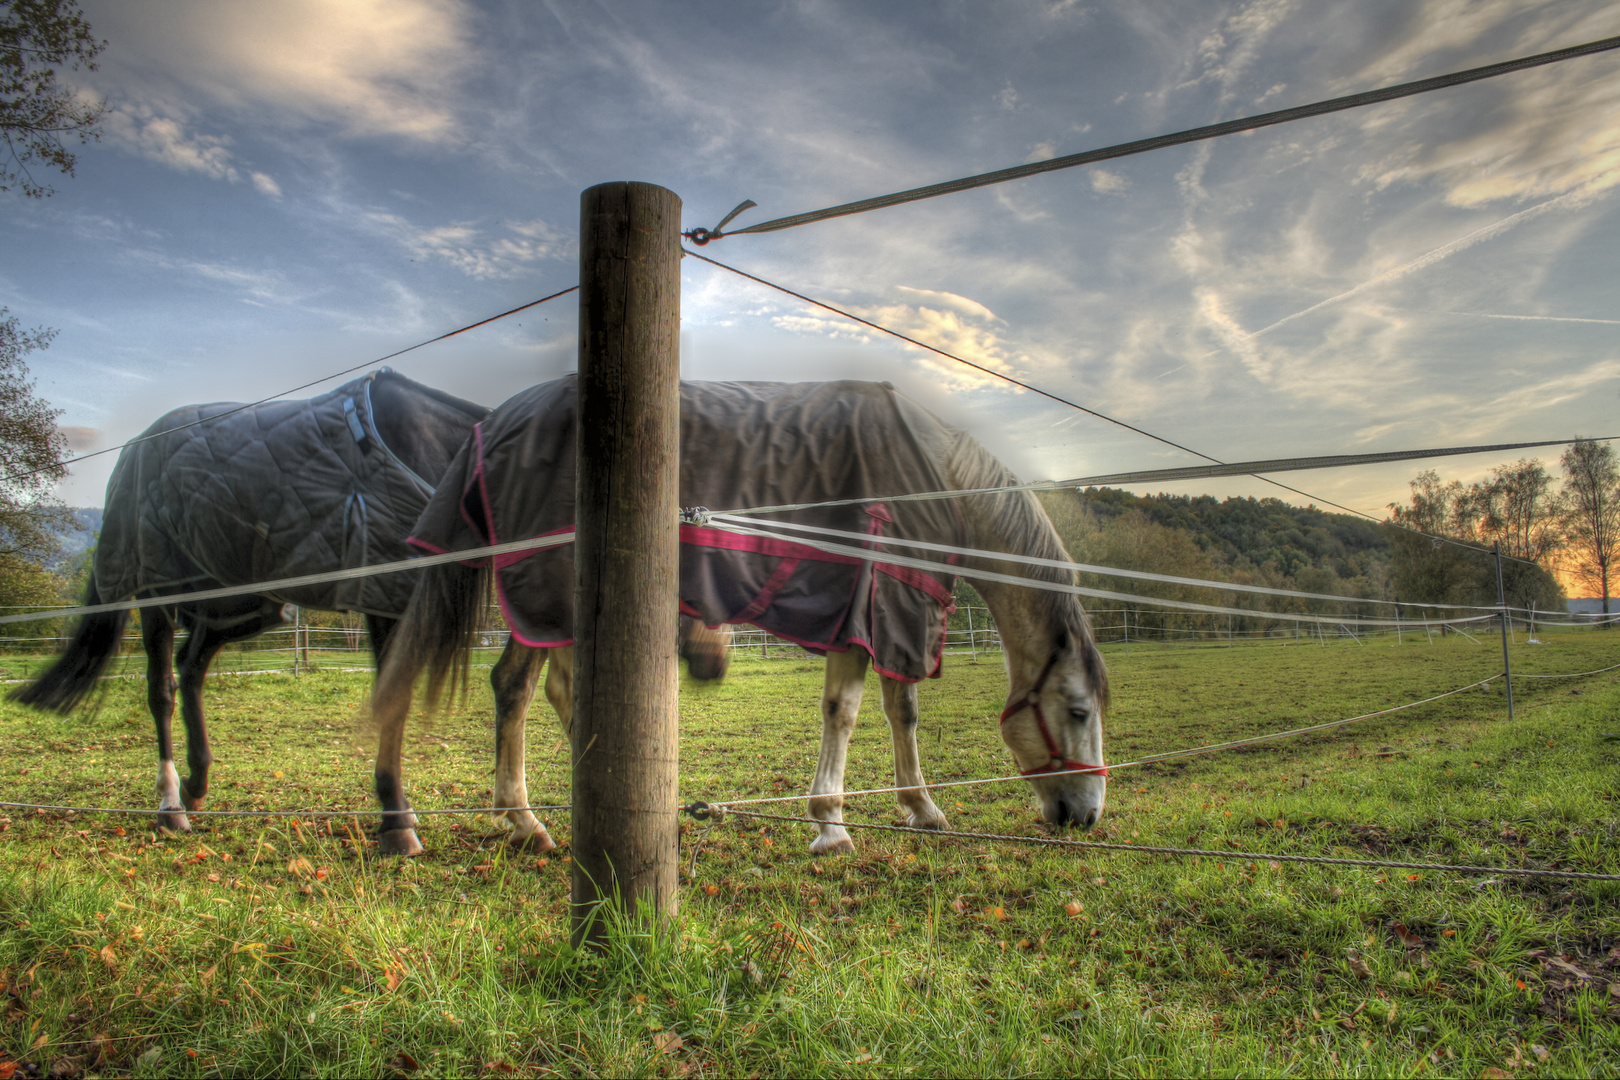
(707,651)
(69,681)
(441,626)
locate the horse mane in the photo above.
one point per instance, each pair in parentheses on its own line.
(1015,522)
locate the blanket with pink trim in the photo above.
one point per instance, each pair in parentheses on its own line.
(742,445)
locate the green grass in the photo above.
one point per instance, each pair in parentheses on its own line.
(271,948)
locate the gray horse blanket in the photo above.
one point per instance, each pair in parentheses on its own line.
(742,445)
(264,492)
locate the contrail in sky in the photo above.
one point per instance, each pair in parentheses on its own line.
(1534,318)
(1423,262)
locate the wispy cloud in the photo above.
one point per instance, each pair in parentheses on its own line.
(470,248)
(362,67)
(143,130)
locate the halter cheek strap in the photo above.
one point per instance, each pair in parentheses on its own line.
(1056,763)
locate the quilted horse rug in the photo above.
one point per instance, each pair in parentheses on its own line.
(742,445)
(281,489)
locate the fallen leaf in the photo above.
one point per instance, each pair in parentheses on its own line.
(1409,939)
(1358,966)
(997,914)
(207,975)
(1493,1073)
(403,1062)
(959,906)
(108,957)
(1541,1052)
(393,976)
(1564,966)
(499,1066)
(278,774)
(6,1069)
(667,1042)
(322,873)
(1074,908)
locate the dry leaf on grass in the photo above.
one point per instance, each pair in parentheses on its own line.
(1358,966)
(667,1042)
(1074,908)
(1409,939)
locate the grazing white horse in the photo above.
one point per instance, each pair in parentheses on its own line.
(1057,682)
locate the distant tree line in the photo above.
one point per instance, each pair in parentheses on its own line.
(1246,541)
(1539,524)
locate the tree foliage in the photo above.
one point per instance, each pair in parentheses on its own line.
(1514,508)
(1245,541)
(31,453)
(39,117)
(1591,514)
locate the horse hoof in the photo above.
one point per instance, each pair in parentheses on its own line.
(399,842)
(533,842)
(844,846)
(935,821)
(175,822)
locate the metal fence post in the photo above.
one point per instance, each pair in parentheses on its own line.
(1501,600)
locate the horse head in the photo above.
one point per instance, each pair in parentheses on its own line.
(1055,731)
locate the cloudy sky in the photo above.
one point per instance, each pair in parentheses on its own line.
(283,190)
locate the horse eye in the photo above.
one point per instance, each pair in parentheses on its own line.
(1079,716)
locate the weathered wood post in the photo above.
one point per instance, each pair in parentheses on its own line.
(626,555)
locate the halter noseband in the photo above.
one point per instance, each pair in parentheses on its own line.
(1057,763)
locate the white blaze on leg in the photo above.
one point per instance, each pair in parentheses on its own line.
(513,680)
(168,790)
(840,704)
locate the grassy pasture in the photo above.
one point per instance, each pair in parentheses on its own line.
(264,947)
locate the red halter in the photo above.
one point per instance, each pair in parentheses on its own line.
(1057,763)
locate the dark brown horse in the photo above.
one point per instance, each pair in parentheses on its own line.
(220,495)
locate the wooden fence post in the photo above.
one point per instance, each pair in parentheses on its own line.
(626,556)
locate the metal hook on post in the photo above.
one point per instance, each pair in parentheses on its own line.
(703,236)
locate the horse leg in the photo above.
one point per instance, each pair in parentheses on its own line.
(513,680)
(157,638)
(379,629)
(203,643)
(390,707)
(900,705)
(840,704)
(560,686)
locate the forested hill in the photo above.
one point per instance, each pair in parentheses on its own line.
(1259,530)
(1255,541)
